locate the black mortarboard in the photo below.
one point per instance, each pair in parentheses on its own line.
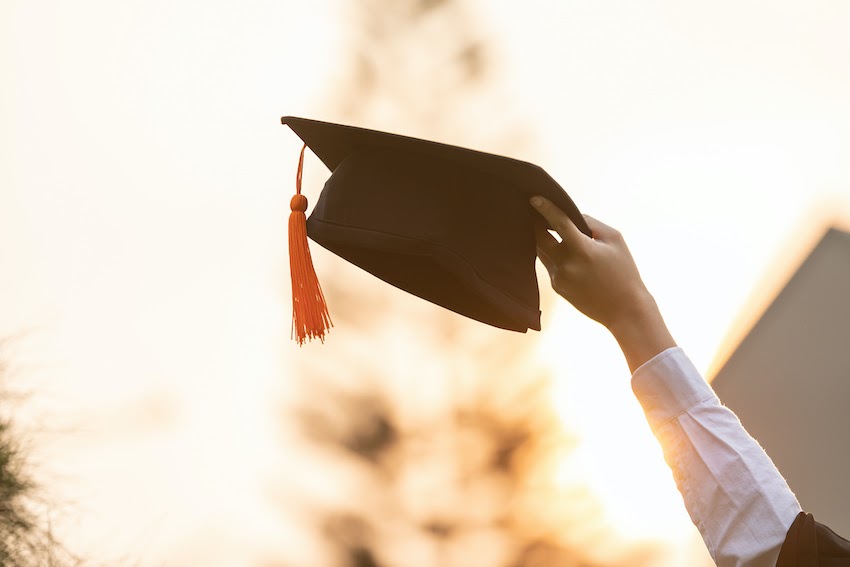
(448,224)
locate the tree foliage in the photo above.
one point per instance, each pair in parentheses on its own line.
(26,537)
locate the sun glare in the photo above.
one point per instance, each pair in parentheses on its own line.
(617,457)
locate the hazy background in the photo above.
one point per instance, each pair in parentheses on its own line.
(144,188)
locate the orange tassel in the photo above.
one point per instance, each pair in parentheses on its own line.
(310,318)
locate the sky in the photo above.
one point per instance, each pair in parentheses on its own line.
(144,182)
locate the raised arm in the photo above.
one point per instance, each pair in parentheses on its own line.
(733,493)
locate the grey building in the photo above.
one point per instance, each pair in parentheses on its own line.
(789,382)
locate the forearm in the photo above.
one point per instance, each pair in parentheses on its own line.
(734,494)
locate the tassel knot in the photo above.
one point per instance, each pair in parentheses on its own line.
(298,203)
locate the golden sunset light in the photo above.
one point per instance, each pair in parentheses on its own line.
(145,306)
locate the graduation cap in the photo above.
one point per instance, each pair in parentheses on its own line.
(451,225)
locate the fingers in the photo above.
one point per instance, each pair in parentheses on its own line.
(559,221)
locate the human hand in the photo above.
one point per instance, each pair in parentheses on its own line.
(599,277)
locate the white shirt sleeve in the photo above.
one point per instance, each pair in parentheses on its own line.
(734,494)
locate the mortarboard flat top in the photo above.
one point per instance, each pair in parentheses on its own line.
(445,223)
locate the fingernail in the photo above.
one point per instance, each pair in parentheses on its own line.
(537,201)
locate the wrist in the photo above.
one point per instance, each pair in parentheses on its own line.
(641,331)
(638,313)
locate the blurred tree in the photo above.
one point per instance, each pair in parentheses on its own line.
(464,480)
(443,427)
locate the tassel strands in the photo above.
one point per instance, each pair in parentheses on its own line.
(310,317)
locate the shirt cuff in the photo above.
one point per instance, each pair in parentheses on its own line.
(668,385)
